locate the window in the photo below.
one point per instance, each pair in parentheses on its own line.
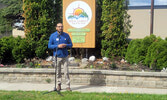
(145,4)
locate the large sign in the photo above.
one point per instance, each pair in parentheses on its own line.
(79,22)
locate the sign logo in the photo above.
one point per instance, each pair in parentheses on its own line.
(78,14)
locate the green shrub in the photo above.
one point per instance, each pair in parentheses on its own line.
(6,46)
(166,38)
(41,49)
(157,55)
(115,28)
(19,49)
(22,49)
(20,66)
(137,49)
(133,47)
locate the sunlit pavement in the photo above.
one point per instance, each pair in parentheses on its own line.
(79,88)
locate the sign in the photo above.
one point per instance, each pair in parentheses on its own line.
(79,22)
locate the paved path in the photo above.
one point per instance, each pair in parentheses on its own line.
(79,88)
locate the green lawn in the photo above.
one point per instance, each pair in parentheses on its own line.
(38,95)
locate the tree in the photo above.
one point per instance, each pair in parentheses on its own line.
(115,29)
(40,19)
(9,14)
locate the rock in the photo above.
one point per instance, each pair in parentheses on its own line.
(164,70)
(122,61)
(100,62)
(105,59)
(71,59)
(92,58)
(85,60)
(50,58)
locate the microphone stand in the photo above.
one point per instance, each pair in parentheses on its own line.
(55,63)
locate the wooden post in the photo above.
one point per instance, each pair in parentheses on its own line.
(152,17)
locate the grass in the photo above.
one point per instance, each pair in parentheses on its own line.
(38,95)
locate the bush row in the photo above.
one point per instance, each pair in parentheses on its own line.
(17,49)
(150,51)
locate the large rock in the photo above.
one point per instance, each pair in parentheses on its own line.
(50,58)
(92,58)
(84,60)
(71,59)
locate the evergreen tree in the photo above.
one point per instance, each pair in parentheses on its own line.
(11,11)
(115,29)
(40,18)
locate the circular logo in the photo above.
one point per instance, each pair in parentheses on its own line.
(78,14)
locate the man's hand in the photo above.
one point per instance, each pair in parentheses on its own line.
(61,45)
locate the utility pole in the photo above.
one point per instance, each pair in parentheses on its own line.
(152,17)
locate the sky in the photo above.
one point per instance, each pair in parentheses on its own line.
(146,2)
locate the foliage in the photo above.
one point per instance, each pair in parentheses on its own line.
(12,11)
(133,47)
(98,30)
(150,51)
(20,66)
(115,28)
(41,49)
(40,19)
(137,49)
(6,46)
(157,55)
(20,50)
(39,95)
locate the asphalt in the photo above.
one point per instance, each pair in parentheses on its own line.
(79,88)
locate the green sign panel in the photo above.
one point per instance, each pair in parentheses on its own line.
(78,35)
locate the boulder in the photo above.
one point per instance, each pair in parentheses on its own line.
(71,59)
(84,60)
(92,58)
(50,58)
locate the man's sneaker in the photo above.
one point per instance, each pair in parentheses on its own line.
(68,89)
(58,87)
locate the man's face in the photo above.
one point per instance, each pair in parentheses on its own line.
(59,27)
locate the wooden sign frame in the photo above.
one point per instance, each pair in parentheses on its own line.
(79,22)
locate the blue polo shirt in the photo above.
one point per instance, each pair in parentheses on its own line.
(56,39)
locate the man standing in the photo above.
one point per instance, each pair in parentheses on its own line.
(59,42)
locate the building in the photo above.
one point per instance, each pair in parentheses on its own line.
(140,12)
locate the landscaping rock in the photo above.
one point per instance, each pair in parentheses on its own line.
(123,61)
(50,58)
(71,59)
(164,70)
(92,58)
(85,60)
(105,59)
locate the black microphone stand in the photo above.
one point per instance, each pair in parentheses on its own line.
(55,89)
(55,65)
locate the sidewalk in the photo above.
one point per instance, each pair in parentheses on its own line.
(79,88)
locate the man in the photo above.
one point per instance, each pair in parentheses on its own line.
(59,42)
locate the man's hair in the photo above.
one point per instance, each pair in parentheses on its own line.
(59,23)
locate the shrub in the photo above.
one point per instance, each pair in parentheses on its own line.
(19,49)
(137,49)
(6,46)
(41,49)
(22,49)
(131,54)
(157,55)
(115,28)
